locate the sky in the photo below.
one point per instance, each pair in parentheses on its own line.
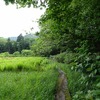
(15,21)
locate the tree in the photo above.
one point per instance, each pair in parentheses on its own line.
(20,43)
(20,38)
(2,44)
(23,3)
(9,47)
(23,43)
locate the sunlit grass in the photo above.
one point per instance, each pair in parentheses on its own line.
(22,63)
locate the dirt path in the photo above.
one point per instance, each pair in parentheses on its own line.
(62,87)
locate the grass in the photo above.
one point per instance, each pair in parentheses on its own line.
(27,85)
(27,78)
(33,78)
(22,63)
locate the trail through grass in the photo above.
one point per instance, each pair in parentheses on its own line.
(33,78)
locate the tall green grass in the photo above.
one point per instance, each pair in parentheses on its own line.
(34,78)
(22,63)
(27,85)
(27,78)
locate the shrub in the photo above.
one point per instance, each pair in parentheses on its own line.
(89,67)
(16,54)
(26,52)
(65,57)
(5,54)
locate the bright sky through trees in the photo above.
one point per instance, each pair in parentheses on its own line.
(14,21)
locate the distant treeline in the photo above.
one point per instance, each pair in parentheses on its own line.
(10,46)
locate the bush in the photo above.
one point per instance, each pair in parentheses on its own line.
(65,57)
(89,64)
(27,53)
(5,54)
(16,54)
(89,67)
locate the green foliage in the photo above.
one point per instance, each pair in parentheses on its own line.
(16,54)
(47,43)
(29,3)
(78,29)
(26,53)
(7,45)
(65,57)
(77,82)
(31,75)
(72,26)
(5,54)
(2,44)
(84,69)
(89,64)
(20,38)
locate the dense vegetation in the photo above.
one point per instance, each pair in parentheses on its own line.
(69,33)
(20,43)
(35,79)
(27,86)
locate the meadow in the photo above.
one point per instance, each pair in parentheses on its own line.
(33,78)
(26,78)
(22,63)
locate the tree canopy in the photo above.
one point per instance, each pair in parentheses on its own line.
(29,3)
